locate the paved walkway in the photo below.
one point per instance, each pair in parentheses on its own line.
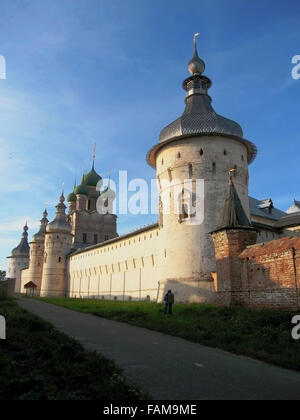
(170,368)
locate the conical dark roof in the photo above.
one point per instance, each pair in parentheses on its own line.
(40,235)
(60,223)
(233,214)
(22,250)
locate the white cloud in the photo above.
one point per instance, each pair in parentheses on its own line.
(18,224)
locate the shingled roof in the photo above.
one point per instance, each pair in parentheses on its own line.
(233,215)
(290,220)
(257,209)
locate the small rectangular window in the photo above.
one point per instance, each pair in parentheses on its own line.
(95,239)
(84,238)
(106,237)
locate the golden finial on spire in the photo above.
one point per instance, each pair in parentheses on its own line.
(231,172)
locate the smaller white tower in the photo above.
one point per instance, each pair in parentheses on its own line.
(36,259)
(58,243)
(19,260)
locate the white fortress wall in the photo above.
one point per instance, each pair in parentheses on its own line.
(124,268)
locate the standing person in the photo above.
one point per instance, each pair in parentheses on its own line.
(170,302)
(166,303)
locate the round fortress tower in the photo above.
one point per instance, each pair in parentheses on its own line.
(199,148)
(19,260)
(58,243)
(36,259)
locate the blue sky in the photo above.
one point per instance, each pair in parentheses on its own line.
(110,71)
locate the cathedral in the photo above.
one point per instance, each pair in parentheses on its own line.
(245,251)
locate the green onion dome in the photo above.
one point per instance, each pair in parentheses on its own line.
(71,198)
(82,189)
(92,178)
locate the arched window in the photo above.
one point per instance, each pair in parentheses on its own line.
(183,206)
(225,152)
(59,259)
(201,152)
(179,155)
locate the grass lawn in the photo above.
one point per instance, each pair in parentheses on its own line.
(261,334)
(39,363)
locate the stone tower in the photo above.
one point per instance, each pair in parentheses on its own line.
(198,148)
(36,259)
(89,226)
(19,260)
(58,243)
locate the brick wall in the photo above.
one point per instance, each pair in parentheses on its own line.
(270,274)
(229,243)
(265,275)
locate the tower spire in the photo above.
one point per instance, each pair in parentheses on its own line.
(94,154)
(40,235)
(60,222)
(196,66)
(109,176)
(233,214)
(25,231)
(23,247)
(199,117)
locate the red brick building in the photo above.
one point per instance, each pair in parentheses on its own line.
(263,275)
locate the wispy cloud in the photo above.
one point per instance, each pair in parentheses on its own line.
(18,224)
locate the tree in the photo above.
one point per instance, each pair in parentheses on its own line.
(2,275)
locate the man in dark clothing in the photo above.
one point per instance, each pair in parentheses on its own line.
(168,302)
